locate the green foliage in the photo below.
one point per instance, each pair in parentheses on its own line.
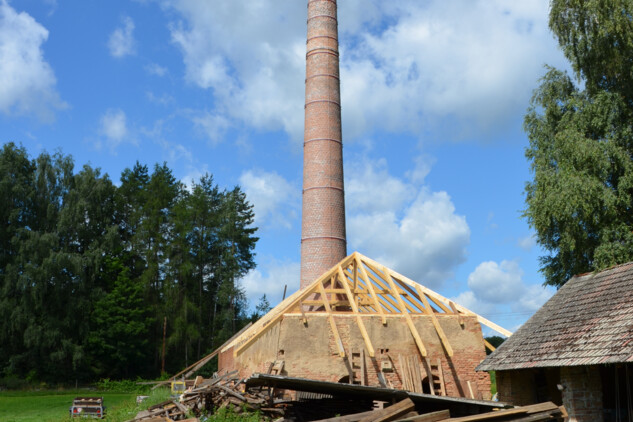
(495,341)
(89,271)
(581,143)
(123,386)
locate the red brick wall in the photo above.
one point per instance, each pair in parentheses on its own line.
(323,239)
(582,393)
(516,387)
(310,351)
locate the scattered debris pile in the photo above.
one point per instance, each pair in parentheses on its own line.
(333,402)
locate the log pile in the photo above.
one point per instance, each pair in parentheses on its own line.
(404,411)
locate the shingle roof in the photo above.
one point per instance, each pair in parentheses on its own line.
(588,321)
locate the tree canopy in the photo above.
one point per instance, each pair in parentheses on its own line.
(89,271)
(581,142)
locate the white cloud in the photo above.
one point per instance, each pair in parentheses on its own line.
(499,288)
(527,243)
(497,283)
(405,65)
(27,82)
(121,42)
(211,125)
(114,127)
(407,227)
(271,282)
(156,69)
(276,201)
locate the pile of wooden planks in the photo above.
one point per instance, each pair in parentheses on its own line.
(404,411)
(207,396)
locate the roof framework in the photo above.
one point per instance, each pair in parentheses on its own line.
(360,287)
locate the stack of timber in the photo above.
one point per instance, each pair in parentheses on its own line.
(404,411)
(207,396)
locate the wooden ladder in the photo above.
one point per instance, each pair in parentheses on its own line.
(357,366)
(435,377)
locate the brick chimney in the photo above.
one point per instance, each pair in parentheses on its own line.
(323,241)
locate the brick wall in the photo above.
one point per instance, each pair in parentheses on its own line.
(310,351)
(323,237)
(516,387)
(582,394)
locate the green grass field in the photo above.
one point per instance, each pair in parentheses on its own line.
(52,406)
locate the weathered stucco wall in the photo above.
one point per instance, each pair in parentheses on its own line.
(309,351)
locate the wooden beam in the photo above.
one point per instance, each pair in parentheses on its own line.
(359,320)
(328,310)
(456,312)
(436,324)
(391,413)
(269,320)
(414,331)
(428,417)
(437,299)
(371,289)
(390,290)
(489,346)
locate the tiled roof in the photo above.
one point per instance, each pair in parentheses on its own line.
(588,321)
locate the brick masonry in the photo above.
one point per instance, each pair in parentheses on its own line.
(323,236)
(582,393)
(309,351)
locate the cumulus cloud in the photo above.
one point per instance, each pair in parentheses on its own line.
(405,65)
(114,127)
(211,125)
(271,281)
(276,201)
(408,227)
(495,286)
(27,82)
(121,42)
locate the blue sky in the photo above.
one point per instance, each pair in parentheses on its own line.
(433,95)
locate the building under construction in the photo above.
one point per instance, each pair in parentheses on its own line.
(354,320)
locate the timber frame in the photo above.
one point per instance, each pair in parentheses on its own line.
(359,286)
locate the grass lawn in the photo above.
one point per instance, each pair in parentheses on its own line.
(52,406)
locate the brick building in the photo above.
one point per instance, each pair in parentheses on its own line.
(577,350)
(363,323)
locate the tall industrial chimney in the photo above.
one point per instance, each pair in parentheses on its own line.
(323,241)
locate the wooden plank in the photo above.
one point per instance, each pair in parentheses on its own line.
(489,346)
(391,413)
(191,369)
(414,331)
(436,324)
(440,373)
(470,390)
(359,320)
(456,312)
(348,418)
(428,417)
(363,378)
(370,287)
(328,310)
(499,414)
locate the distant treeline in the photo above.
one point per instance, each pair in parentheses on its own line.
(89,270)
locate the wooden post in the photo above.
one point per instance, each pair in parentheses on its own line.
(162,367)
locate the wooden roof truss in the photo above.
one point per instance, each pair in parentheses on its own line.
(358,287)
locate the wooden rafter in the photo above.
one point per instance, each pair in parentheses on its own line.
(414,331)
(358,286)
(326,304)
(359,320)
(436,324)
